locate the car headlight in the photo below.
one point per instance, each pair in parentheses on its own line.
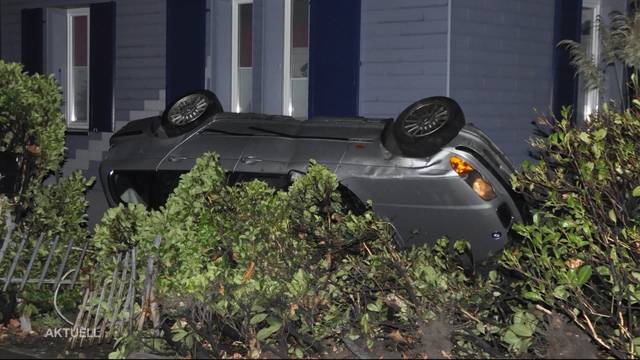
(483,189)
(473,178)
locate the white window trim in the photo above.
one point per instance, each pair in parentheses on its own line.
(70,87)
(287,95)
(235,95)
(287,106)
(592,102)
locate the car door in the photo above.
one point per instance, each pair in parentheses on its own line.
(229,148)
(270,155)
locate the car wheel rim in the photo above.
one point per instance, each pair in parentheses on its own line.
(188,109)
(426,120)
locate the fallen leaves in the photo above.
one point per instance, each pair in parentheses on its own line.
(574,263)
(249,273)
(396,336)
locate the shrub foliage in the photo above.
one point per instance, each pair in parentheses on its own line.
(30,116)
(293,272)
(32,128)
(286,272)
(580,253)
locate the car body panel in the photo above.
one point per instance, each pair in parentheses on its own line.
(423,198)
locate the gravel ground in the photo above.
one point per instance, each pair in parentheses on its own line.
(8,354)
(37,347)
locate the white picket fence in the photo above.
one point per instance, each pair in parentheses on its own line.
(109,306)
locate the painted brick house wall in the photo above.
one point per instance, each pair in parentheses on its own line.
(403,54)
(501,66)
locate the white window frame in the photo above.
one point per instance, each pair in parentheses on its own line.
(287,99)
(235,33)
(71,124)
(592,98)
(287,106)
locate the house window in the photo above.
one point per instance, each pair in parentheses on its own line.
(78,64)
(242,62)
(296,58)
(589,38)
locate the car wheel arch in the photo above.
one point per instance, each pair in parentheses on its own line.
(352,191)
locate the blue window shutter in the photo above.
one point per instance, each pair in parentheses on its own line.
(334,57)
(32,40)
(186,26)
(568,20)
(102,65)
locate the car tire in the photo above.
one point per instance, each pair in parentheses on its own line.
(427,125)
(189,111)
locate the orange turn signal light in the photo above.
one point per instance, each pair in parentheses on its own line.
(460,166)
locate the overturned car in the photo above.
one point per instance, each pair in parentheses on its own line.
(427,172)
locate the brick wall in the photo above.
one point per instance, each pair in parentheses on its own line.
(501,66)
(403,54)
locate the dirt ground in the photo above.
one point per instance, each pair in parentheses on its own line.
(15,344)
(431,341)
(43,348)
(566,341)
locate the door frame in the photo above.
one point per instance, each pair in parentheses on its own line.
(235,52)
(287,92)
(592,96)
(287,107)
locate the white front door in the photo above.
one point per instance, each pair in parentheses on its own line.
(296,58)
(241,58)
(78,65)
(56,48)
(67,58)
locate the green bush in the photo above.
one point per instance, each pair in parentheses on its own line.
(58,209)
(280,269)
(293,273)
(32,127)
(30,116)
(6,209)
(269,270)
(580,254)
